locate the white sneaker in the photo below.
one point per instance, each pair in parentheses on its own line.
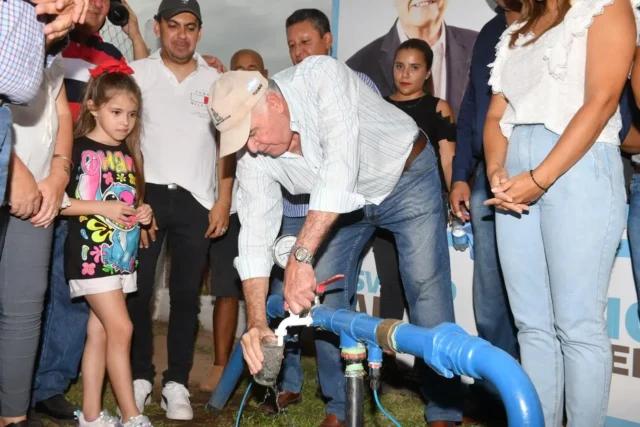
(175,400)
(142,392)
(103,420)
(139,421)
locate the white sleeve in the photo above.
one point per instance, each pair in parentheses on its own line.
(259,204)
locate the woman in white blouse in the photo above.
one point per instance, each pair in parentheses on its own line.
(553,160)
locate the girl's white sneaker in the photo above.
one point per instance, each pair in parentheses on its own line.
(139,421)
(103,420)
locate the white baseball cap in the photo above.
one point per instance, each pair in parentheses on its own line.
(231,99)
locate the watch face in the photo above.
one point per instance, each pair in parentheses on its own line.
(282,248)
(301,254)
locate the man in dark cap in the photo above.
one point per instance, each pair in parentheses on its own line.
(190,201)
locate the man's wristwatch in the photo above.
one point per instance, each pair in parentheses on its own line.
(301,254)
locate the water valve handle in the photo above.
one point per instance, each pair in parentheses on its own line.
(322,286)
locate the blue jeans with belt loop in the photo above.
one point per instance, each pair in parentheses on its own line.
(414,213)
(557,263)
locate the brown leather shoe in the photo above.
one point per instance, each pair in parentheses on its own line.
(332,421)
(285,399)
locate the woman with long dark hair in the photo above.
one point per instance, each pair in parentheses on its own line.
(553,161)
(413,78)
(415,96)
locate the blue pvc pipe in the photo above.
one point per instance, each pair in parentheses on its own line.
(450,351)
(275,307)
(447,349)
(516,390)
(228,380)
(360,326)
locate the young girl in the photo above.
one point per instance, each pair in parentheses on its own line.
(106,191)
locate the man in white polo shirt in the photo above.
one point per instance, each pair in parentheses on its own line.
(181,167)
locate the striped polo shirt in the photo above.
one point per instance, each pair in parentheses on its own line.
(297,206)
(78,59)
(355,147)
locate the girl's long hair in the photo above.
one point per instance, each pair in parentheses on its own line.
(101,90)
(531,12)
(424,48)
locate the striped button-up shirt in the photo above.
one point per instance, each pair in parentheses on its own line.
(22,55)
(79,58)
(355,146)
(298,206)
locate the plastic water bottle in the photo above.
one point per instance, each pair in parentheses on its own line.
(459,235)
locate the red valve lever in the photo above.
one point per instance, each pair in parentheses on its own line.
(322,286)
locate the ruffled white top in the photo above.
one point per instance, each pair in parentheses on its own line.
(544,81)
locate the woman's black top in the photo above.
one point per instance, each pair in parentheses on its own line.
(423,111)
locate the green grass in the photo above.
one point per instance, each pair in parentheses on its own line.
(311,411)
(407,410)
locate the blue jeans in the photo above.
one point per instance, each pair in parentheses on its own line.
(5,148)
(414,213)
(557,263)
(64,329)
(490,302)
(633,231)
(330,366)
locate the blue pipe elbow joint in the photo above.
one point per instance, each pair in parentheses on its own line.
(435,347)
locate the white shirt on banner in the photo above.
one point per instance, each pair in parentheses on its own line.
(355,146)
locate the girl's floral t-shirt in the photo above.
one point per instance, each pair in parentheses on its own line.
(97,246)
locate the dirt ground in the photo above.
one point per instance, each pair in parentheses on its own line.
(202,361)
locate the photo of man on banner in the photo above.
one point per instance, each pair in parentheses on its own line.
(423,20)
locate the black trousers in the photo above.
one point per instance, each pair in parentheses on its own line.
(184,221)
(392,300)
(225,280)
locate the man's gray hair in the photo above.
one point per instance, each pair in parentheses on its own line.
(272,88)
